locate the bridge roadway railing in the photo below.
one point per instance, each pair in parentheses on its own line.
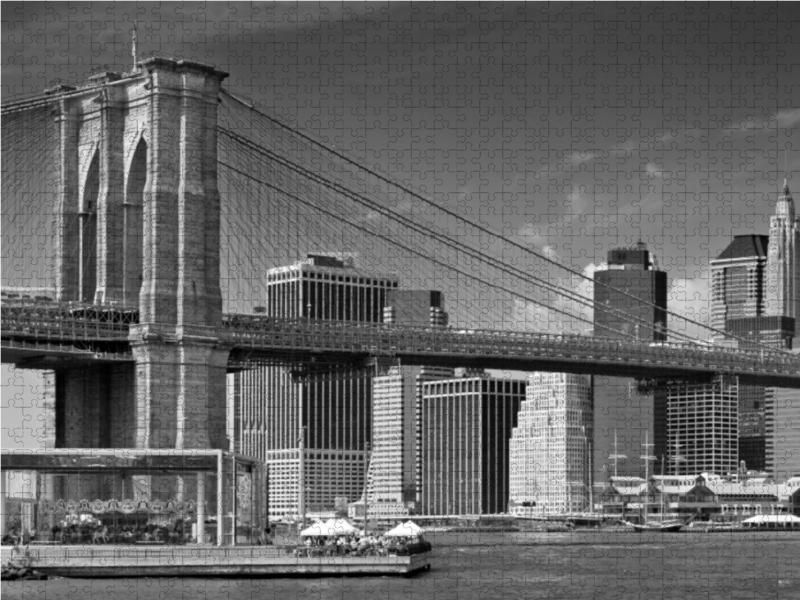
(26,319)
(377,339)
(41,321)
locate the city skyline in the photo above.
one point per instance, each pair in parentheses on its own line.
(607,176)
(431,271)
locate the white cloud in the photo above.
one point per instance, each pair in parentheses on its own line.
(577,158)
(788,117)
(555,317)
(654,170)
(690,298)
(626,148)
(577,203)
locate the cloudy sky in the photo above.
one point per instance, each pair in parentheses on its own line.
(572,127)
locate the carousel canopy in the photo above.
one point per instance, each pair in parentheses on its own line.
(125,507)
(407,529)
(329,527)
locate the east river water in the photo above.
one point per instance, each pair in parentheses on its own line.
(578,565)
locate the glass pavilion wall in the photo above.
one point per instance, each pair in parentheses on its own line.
(91,496)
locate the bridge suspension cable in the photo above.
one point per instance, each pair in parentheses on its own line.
(428,231)
(399,244)
(30,211)
(287,194)
(333,171)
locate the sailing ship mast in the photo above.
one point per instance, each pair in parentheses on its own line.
(615,457)
(646,457)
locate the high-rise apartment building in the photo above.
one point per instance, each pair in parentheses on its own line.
(703,426)
(330,408)
(630,301)
(550,448)
(466,427)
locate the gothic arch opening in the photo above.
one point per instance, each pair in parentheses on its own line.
(88,232)
(134,225)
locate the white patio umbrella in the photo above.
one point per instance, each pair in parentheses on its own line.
(407,529)
(329,527)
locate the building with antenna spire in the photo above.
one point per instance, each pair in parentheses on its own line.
(755,297)
(782,410)
(783,260)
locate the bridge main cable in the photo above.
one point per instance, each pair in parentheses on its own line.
(478,226)
(493,261)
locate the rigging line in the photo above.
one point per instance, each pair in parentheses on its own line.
(417,252)
(474,253)
(482,228)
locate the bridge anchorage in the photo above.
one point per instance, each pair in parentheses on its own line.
(133,334)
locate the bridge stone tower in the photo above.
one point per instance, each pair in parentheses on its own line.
(139,227)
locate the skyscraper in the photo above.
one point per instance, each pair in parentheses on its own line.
(550,448)
(631,296)
(395,468)
(738,281)
(783,300)
(783,261)
(466,427)
(738,301)
(703,426)
(330,407)
(630,300)
(393,481)
(415,307)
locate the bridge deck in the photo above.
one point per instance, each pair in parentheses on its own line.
(100,334)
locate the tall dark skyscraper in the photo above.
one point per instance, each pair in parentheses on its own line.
(738,281)
(738,305)
(630,300)
(641,313)
(467,424)
(332,406)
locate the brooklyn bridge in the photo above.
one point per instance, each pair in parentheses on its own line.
(142,209)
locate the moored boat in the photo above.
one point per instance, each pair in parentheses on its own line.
(661,524)
(669,526)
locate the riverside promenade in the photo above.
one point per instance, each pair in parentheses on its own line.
(205,561)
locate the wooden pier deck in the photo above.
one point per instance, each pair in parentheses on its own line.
(206,561)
